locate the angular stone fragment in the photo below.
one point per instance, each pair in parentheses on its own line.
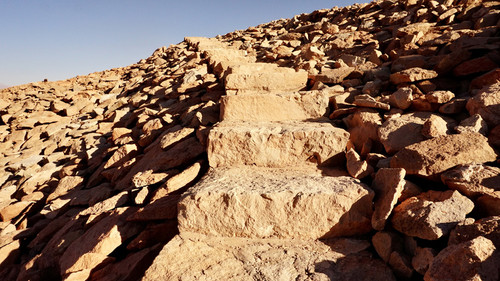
(487,104)
(211,258)
(435,126)
(276,144)
(160,209)
(274,107)
(432,214)
(368,101)
(473,260)
(94,246)
(262,203)
(363,127)
(401,98)
(174,135)
(400,132)
(356,167)
(334,76)
(431,157)
(412,74)
(385,243)
(13,210)
(9,252)
(423,259)
(481,64)
(473,124)
(388,186)
(183,178)
(473,180)
(400,265)
(130,268)
(121,155)
(65,185)
(439,96)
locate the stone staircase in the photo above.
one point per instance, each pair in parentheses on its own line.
(270,194)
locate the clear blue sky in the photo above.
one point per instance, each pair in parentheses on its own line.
(59,39)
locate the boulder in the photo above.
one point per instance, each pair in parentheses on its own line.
(264,203)
(486,103)
(434,156)
(432,214)
(476,259)
(469,229)
(412,74)
(473,180)
(274,107)
(276,144)
(400,132)
(93,247)
(212,258)
(388,186)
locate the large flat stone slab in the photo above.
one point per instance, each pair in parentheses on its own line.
(193,257)
(434,156)
(263,203)
(276,144)
(274,107)
(264,77)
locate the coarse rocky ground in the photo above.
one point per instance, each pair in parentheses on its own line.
(356,143)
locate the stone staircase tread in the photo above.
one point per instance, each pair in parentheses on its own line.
(280,203)
(276,144)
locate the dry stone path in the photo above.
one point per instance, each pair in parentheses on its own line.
(265,201)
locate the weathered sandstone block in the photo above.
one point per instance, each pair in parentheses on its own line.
(263,203)
(195,257)
(276,144)
(274,107)
(437,155)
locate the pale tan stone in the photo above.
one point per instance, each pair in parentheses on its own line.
(400,132)
(412,74)
(486,103)
(275,203)
(473,124)
(432,214)
(334,76)
(388,186)
(439,96)
(435,126)
(121,155)
(174,135)
(472,260)
(65,185)
(93,247)
(431,157)
(386,242)
(356,167)
(183,178)
(472,179)
(9,253)
(274,107)
(423,259)
(213,258)
(401,98)
(275,144)
(261,77)
(13,210)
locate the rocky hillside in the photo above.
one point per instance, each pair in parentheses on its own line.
(356,143)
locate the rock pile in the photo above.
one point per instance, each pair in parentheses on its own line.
(350,143)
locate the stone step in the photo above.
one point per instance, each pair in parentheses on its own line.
(275,203)
(194,257)
(288,144)
(264,77)
(274,107)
